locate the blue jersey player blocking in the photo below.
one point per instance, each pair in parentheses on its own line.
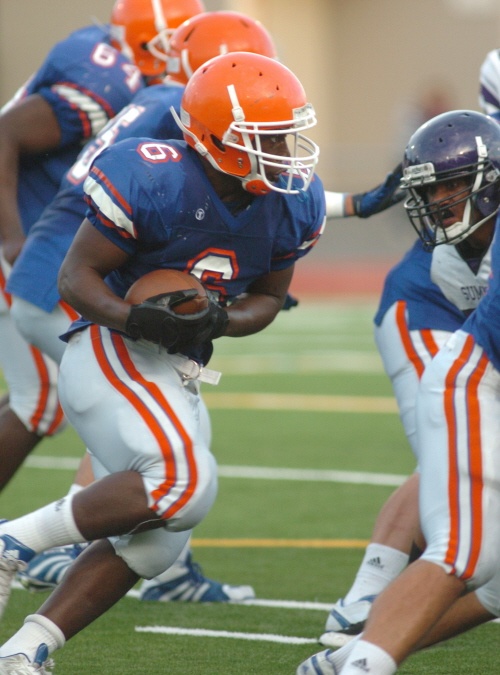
(236,204)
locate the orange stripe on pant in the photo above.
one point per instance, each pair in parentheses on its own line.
(474,458)
(45,389)
(404,332)
(149,419)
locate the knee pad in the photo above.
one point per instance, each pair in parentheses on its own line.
(148,554)
(489,595)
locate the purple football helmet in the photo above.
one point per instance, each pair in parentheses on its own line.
(454,145)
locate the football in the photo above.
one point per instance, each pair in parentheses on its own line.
(167,281)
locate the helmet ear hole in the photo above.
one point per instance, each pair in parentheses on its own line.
(218,144)
(487,201)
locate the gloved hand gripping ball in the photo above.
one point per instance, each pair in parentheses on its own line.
(181,315)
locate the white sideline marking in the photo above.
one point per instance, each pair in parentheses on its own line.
(200,632)
(48,462)
(252,472)
(315,475)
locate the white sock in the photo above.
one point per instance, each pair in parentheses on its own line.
(74,489)
(341,655)
(52,525)
(178,568)
(369,658)
(37,629)
(381,564)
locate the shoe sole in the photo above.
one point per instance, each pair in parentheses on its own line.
(335,640)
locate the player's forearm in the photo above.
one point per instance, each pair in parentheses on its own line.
(86,292)
(251,313)
(257,308)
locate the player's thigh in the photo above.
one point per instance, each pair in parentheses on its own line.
(31,379)
(129,406)
(458,417)
(131,401)
(405,353)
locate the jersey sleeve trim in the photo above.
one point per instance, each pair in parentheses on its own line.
(94,112)
(109,206)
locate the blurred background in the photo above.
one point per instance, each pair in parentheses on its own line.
(374,70)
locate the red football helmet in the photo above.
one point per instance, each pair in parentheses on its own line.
(140,29)
(232,104)
(206,35)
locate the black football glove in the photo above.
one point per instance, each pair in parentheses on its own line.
(155,320)
(374,201)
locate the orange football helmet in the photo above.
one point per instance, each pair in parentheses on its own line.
(140,29)
(232,104)
(207,35)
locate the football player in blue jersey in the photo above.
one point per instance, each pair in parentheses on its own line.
(40,314)
(236,203)
(83,82)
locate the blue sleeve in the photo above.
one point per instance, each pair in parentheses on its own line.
(304,217)
(121,192)
(86,82)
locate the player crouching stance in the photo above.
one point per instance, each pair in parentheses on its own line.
(235,205)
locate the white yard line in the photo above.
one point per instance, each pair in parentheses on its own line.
(201,632)
(252,472)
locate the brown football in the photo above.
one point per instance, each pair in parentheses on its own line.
(166,281)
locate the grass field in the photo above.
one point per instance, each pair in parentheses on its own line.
(309,446)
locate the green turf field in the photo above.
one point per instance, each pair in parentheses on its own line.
(309,446)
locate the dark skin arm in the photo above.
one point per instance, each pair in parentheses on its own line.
(28,128)
(92,256)
(256,309)
(89,259)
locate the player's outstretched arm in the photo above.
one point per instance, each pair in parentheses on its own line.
(366,204)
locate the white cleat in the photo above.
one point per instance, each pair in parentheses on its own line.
(319,664)
(349,619)
(335,640)
(14,557)
(193,586)
(19,664)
